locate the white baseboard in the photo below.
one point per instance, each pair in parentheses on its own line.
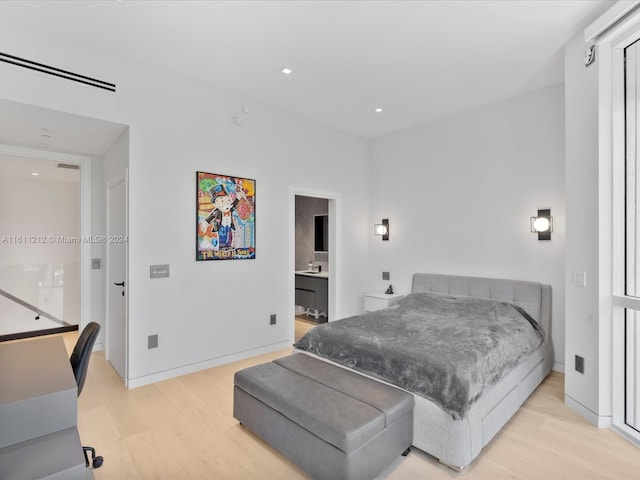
(600,421)
(628,434)
(214,362)
(558,367)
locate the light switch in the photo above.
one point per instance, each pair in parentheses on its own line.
(580,279)
(159,271)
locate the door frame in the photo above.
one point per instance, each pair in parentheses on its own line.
(113,181)
(84,163)
(335,251)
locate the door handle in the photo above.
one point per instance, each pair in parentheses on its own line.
(120,284)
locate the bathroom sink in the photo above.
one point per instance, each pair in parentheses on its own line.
(310,272)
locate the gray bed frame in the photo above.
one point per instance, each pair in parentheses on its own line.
(457,442)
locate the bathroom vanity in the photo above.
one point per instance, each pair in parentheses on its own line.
(312,292)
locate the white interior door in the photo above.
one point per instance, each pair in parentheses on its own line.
(117,239)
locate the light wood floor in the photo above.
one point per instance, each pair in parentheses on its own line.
(183,428)
(302,326)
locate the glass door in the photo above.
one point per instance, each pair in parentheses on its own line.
(632,240)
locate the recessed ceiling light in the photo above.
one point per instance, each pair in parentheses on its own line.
(378,110)
(286,71)
(35,174)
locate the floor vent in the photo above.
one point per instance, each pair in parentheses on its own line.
(57,72)
(69,166)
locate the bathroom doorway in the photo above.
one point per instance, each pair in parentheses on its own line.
(313,259)
(311,263)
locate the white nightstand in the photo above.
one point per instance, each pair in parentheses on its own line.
(378,301)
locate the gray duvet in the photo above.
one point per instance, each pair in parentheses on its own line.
(447,349)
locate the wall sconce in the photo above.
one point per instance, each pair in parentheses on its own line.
(382,229)
(542,224)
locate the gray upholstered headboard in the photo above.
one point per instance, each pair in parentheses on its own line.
(534,298)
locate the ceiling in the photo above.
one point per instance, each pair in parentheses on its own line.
(51,130)
(417,60)
(23,167)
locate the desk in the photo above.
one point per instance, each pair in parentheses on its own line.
(38,412)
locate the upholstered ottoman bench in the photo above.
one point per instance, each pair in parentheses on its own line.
(333,423)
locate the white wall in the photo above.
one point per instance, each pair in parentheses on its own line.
(44,210)
(115,162)
(97,276)
(39,208)
(582,189)
(206,311)
(458,193)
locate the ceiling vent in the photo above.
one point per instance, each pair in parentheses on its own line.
(57,72)
(69,166)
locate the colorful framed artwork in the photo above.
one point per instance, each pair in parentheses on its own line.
(225,217)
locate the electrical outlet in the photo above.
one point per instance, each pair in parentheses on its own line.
(579,364)
(152,341)
(272,319)
(385,276)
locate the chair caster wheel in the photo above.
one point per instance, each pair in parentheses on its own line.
(97,462)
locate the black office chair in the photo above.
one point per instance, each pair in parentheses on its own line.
(80,364)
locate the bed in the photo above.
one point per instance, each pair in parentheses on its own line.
(467,381)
